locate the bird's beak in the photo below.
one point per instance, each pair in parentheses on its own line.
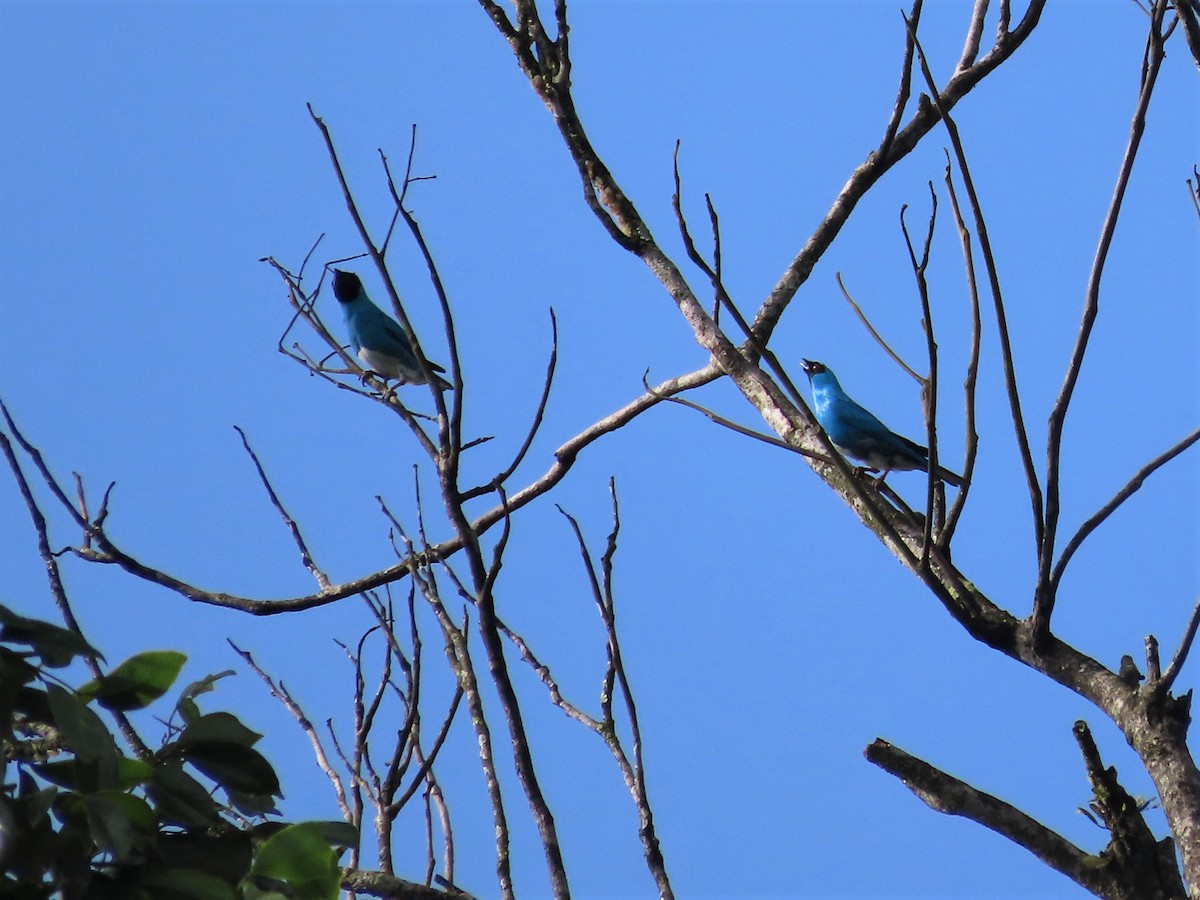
(808,365)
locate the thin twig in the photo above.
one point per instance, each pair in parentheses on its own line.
(969,383)
(1154,54)
(985,245)
(929,387)
(1181,655)
(862,317)
(54,576)
(305,556)
(293,707)
(742,429)
(1130,488)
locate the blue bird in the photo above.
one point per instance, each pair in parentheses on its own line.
(861,436)
(377,339)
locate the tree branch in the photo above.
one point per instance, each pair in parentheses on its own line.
(946,794)
(1045,595)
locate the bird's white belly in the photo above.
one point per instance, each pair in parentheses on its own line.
(387,366)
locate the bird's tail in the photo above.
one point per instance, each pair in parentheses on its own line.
(442,382)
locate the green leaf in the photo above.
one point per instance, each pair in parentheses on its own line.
(187,884)
(204,685)
(265,889)
(219,728)
(234,766)
(252,804)
(74,774)
(187,709)
(224,853)
(115,819)
(137,682)
(96,753)
(338,834)
(300,857)
(55,646)
(180,799)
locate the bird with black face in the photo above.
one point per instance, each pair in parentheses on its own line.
(378,340)
(861,436)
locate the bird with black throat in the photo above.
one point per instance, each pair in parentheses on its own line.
(859,435)
(378,340)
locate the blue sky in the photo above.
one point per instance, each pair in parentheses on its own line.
(151,154)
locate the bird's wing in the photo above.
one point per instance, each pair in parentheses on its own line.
(381,333)
(860,432)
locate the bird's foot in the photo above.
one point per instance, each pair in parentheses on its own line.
(867,472)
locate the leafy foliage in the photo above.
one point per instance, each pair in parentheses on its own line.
(80,819)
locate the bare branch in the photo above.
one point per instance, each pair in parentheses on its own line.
(862,317)
(969,383)
(934,510)
(946,794)
(877,164)
(1154,54)
(974,33)
(281,694)
(1181,655)
(305,556)
(1139,864)
(742,429)
(540,411)
(1188,13)
(1134,484)
(53,575)
(383,884)
(905,89)
(1010,374)
(634,773)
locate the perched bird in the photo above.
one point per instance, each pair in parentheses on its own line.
(377,339)
(860,435)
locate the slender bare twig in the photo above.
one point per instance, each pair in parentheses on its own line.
(929,387)
(1188,12)
(742,429)
(54,577)
(1154,54)
(877,164)
(434,792)
(280,693)
(862,317)
(458,655)
(1130,488)
(905,89)
(483,579)
(969,383)
(380,264)
(449,431)
(985,245)
(539,412)
(633,772)
(425,762)
(974,33)
(1181,655)
(565,457)
(859,491)
(305,556)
